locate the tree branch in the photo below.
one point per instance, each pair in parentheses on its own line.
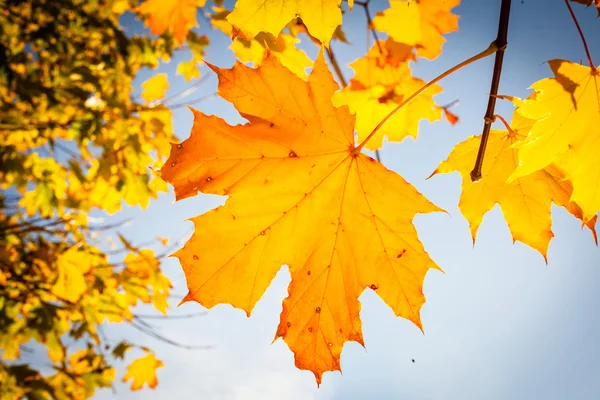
(501,42)
(587,50)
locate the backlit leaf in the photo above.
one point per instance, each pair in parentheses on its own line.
(178,16)
(382,80)
(419,23)
(142,372)
(155,88)
(567,113)
(321,17)
(525,202)
(300,195)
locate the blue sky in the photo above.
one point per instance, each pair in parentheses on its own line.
(499,323)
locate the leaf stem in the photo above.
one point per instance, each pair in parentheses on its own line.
(336,67)
(587,50)
(491,49)
(501,42)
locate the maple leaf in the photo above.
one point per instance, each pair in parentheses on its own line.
(589,3)
(526,202)
(189,69)
(178,16)
(72,267)
(321,17)
(382,80)
(143,371)
(155,88)
(256,49)
(567,111)
(420,24)
(299,194)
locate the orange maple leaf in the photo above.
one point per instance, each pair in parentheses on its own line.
(301,194)
(176,15)
(589,3)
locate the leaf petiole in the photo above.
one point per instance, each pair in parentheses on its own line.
(491,49)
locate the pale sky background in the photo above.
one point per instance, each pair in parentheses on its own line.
(500,324)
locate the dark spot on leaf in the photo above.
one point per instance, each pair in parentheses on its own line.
(271,125)
(195,257)
(292,154)
(308,273)
(173,164)
(309,329)
(318,310)
(401,254)
(373,286)
(208,179)
(289,324)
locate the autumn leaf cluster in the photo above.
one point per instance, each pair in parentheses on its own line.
(81,136)
(300,192)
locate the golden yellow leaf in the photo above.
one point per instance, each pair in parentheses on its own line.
(72,265)
(255,50)
(382,80)
(526,202)
(189,69)
(142,371)
(321,17)
(419,23)
(567,113)
(179,16)
(300,194)
(155,88)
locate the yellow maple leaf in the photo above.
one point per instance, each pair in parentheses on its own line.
(567,113)
(525,202)
(142,371)
(420,24)
(321,17)
(72,266)
(155,88)
(382,80)
(189,69)
(256,49)
(300,194)
(179,16)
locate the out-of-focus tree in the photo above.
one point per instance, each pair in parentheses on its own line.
(74,140)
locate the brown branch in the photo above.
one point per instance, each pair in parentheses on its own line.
(501,43)
(587,50)
(370,27)
(336,67)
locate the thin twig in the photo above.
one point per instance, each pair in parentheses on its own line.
(587,50)
(164,339)
(492,48)
(336,67)
(181,316)
(501,43)
(370,27)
